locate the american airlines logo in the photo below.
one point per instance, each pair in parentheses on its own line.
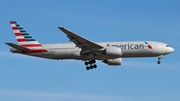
(130,46)
(149,46)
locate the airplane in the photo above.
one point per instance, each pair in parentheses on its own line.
(111,53)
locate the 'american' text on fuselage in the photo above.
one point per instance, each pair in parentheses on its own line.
(127,46)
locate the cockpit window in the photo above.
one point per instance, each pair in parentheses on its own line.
(168,46)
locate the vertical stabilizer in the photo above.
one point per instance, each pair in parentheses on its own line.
(23,37)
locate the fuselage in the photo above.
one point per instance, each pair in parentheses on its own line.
(129,50)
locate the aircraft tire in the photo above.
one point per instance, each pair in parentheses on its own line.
(159,62)
(91,67)
(86,63)
(87,68)
(95,66)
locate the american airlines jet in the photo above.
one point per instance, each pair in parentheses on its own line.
(83,49)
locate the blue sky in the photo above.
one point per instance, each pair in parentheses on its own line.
(25,78)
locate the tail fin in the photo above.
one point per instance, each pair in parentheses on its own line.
(23,37)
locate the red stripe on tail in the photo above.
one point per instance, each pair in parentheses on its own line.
(11,22)
(21,40)
(18,34)
(14,28)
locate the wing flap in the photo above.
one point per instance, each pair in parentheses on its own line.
(18,47)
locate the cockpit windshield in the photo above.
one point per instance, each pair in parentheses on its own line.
(168,46)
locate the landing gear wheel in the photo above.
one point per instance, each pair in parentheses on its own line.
(159,62)
(91,67)
(86,63)
(90,64)
(87,68)
(95,66)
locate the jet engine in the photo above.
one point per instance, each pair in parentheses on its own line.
(113,52)
(113,62)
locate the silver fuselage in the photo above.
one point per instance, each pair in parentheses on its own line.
(129,49)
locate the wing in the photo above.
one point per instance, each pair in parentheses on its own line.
(84,44)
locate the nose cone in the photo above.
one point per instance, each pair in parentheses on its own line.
(170,50)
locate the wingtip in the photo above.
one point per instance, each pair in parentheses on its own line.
(60,27)
(7,42)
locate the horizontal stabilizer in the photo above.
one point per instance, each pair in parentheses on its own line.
(18,47)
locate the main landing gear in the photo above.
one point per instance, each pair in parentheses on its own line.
(91,64)
(159,58)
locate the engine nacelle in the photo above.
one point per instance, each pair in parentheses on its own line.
(113,52)
(113,62)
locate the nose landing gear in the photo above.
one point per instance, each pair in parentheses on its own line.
(158,61)
(91,64)
(159,58)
